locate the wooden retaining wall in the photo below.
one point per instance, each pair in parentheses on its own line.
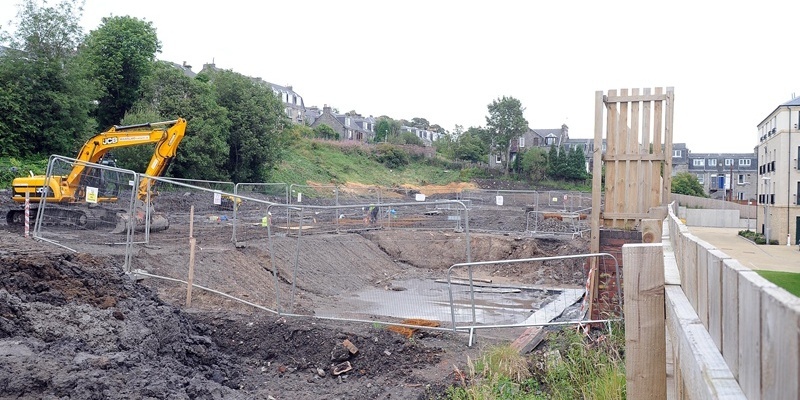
(734,334)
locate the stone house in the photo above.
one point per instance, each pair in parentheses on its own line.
(349,126)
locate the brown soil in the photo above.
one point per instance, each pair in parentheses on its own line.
(73,325)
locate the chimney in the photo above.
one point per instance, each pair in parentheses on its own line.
(326,109)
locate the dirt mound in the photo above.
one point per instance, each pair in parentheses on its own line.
(75,326)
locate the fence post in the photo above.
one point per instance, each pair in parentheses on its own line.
(645,337)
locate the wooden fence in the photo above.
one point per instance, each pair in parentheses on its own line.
(733,334)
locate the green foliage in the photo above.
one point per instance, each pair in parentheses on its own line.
(587,369)
(787,280)
(324,131)
(391,156)
(470,146)
(576,165)
(757,238)
(257,130)
(534,164)
(45,98)
(169,94)
(121,53)
(11,168)
(505,122)
(383,128)
(686,183)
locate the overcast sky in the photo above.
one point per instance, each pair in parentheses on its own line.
(730,63)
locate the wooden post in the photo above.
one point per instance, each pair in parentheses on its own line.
(192,244)
(645,338)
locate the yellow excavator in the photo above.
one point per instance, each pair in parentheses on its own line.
(66,195)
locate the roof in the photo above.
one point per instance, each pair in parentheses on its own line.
(793,102)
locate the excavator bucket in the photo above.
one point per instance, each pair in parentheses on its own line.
(158,222)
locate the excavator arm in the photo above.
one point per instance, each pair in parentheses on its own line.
(166,135)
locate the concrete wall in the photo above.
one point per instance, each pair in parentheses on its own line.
(711,204)
(712,218)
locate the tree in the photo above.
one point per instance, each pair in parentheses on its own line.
(576,165)
(505,123)
(383,128)
(470,146)
(169,94)
(257,136)
(534,164)
(686,183)
(420,123)
(45,98)
(122,54)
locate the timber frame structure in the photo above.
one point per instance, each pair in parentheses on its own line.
(637,163)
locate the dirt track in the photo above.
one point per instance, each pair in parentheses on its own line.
(75,326)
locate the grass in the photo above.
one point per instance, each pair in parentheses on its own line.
(322,162)
(787,280)
(577,366)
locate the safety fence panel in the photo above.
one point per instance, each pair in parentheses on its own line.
(317,195)
(478,299)
(575,224)
(251,217)
(201,226)
(82,207)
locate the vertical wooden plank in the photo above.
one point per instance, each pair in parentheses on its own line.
(645,329)
(190,280)
(646,124)
(658,145)
(667,183)
(622,166)
(714,288)
(612,117)
(597,172)
(750,287)
(689,280)
(702,281)
(637,182)
(780,312)
(730,313)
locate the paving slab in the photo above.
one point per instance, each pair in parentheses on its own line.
(758,257)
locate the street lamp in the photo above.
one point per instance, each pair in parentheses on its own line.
(766,209)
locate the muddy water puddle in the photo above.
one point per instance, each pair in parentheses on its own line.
(429,299)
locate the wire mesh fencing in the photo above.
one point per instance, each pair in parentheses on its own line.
(478,299)
(81,203)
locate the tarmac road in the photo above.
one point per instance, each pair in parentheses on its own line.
(757,257)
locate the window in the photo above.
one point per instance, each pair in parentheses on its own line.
(522,141)
(498,159)
(744,162)
(699,162)
(712,162)
(347,121)
(676,153)
(701,178)
(740,196)
(728,162)
(549,140)
(740,180)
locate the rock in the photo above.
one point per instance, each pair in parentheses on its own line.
(339,354)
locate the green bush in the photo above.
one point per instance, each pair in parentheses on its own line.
(391,156)
(11,168)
